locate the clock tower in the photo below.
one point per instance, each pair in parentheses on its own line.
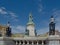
(52,26)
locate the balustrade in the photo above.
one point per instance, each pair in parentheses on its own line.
(27,43)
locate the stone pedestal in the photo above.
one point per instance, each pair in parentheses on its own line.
(54,43)
(54,40)
(6,41)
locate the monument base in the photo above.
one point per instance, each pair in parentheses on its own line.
(54,40)
(6,41)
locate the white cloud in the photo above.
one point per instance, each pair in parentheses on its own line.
(43,30)
(7,13)
(13,14)
(2,11)
(18,29)
(16,19)
(40,6)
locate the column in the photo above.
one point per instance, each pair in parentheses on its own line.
(23,43)
(19,42)
(37,42)
(16,43)
(27,42)
(32,43)
(42,42)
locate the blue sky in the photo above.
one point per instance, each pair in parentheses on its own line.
(17,12)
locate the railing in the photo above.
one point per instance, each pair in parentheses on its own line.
(32,44)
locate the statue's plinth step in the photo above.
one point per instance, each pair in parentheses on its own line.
(6,41)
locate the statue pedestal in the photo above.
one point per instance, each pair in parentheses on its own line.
(54,36)
(6,41)
(54,40)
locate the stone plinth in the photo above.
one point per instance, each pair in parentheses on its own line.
(54,40)
(6,41)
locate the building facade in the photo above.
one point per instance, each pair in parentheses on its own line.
(30,36)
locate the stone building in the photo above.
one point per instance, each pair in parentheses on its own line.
(30,36)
